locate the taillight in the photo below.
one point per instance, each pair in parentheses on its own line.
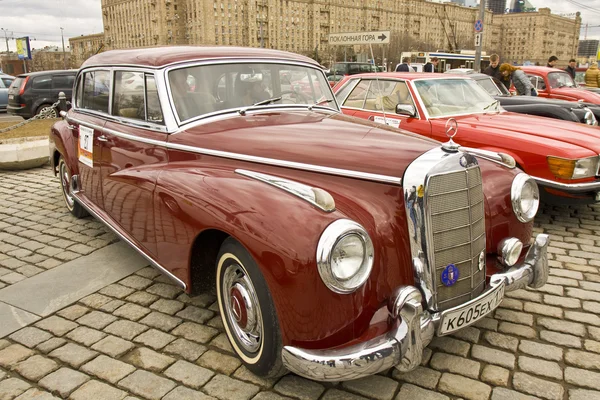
(22,88)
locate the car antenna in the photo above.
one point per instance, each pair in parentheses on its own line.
(378,86)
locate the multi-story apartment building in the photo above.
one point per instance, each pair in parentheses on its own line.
(303,26)
(496,6)
(49,58)
(83,47)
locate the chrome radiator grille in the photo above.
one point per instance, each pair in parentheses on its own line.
(454,203)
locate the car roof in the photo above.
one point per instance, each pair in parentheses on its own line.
(410,75)
(166,55)
(50,72)
(535,68)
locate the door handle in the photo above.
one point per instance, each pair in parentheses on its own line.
(102,138)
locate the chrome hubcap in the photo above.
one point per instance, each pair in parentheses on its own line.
(48,112)
(242,307)
(65,179)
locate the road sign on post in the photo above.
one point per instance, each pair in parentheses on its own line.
(478,42)
(478,26)
(351,38)
(477,39)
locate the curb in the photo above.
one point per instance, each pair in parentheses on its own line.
(23,153)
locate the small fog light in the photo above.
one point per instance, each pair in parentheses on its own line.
(509,251)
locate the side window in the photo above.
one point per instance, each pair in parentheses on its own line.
(356,98)
(42,82)
(537,82)
(154,113)
(128,99)
(63,81)
(7,82)
(387,94)
(353,69)
(96,91)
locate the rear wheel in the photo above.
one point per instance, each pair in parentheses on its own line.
(65,183)
(47,110)
(247,311)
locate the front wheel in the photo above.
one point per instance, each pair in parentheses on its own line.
(247,311)
(65,179)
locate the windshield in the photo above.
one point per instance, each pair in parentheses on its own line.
(449,97)
(560,79)
(353,68)
(489,86)
(208,89)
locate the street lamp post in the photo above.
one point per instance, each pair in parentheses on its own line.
(63,44)
(7,50)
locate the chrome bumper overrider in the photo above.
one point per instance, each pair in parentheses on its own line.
(403,346)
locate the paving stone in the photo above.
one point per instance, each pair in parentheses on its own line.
(130,311)
(541,350)
(148,359)
(514,316)
(49,263)
(561,339)
(502,341)
(414,392)
(464,387)
(12,354)
(147,384)
(111,306)
(117,291)
(591,306)
(590,285)
(196,314)
(113,346)
(82,249)
(220,362)
(36,394)
(544,309)
(73,354)
(12,387)
(97,319)
(97,391)
(63,381)
(494,375)
(582,394)
(189,374)
(275,396)
(166,306)
(582,359)
(164,290)
(183,393)
(30,336)
(142,298)
(184,348)
(222,342)
(537,387)
(592,345)
(297,387)
(66,255)
(493,356)
(12,278)
(543,368)
(449,345)
(56,325)
(421,376)
(586,318)
(487,323)
(161,321)
(583,294)
(108,369)
(195,332)
(244,374)
(594,332)
(125,329)
(30,270)
(506,394)
(51,344)
(456,365)
(148,272)
(512,304)
(85,336)
(136,282)
(35,367)
(155,339)
(518,330)
(95,300)
(4,343)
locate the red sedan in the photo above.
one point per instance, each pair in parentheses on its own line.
(563,157)
(555,83)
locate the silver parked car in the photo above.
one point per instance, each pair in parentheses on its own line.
(5,81)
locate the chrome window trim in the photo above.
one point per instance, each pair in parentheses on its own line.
(394,180)
(304,192)
(351,81)
(220,61)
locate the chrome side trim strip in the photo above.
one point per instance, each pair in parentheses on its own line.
(568,187)
(394,180)
(315,196)
(500,158)
(130,242)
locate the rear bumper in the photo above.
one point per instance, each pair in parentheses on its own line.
(18,110)
(402,347)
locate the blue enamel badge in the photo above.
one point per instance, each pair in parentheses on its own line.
(450,275)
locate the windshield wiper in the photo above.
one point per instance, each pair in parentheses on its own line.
(492,104)
(243,110)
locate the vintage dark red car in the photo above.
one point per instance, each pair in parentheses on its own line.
(562,156)
(338,247)
(556,83)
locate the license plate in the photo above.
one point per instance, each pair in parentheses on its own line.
(467,314)
(11,96)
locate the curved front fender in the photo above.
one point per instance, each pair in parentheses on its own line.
(63,143)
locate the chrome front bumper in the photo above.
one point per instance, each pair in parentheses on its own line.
(569,187)
(403,346)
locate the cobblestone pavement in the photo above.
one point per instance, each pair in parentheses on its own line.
(37,232)
(144,338)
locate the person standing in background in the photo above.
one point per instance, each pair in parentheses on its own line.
(552,61)
(571,68)
(493,70)
(405,66)
(592,76)
(431,66)
(519,79)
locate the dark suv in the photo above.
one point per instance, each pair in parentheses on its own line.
(31,93)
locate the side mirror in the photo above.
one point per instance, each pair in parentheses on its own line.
(406,109)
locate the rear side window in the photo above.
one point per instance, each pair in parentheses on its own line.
(63,81)
(42,82)
(7,81)
(96,91)
(136,97)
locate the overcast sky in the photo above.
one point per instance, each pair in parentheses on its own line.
(42,19)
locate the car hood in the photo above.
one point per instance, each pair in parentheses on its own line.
(579,94)
(533,126)
(521,100)
(318,138)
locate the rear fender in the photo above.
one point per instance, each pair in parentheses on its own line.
(544,110)
(62,143)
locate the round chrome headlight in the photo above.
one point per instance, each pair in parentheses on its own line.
(589,117)
(525,197)
(344,256)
